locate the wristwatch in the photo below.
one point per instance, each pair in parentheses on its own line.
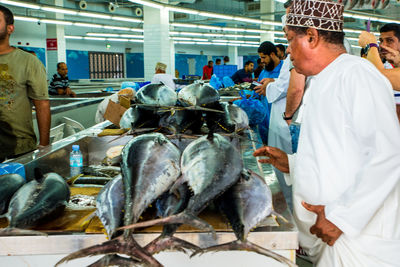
(368,46)
(286,118)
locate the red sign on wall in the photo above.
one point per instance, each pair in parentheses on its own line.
(51,44)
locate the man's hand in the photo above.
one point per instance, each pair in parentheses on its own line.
(276,157)
(69,92)
(366,38)
(261,89)
(323,228)
(393,56)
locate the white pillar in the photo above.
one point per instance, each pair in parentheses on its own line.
(233,55)
(55,32)
(158,47)
(267,6)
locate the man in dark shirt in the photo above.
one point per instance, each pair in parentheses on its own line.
(244,75)
(59,84)
(208,70)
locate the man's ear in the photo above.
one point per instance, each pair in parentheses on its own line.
(313,37)
(10,29)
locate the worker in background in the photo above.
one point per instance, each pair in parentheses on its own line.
(245,74)
(126,91)
(281,51)
(218,61)
(59,84)
(349,136)
(226,60)
(162,77)
(22,82)
(208,70)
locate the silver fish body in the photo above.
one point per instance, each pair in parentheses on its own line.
(198,94)
(9,184)
(110,205)
(156,94)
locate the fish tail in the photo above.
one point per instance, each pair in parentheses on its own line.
(181,218)
(127,246)
(162,243)
(246,246)
(114,260)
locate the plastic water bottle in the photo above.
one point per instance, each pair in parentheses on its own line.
(75,161)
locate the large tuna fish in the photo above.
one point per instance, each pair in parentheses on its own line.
(245,205)
(9,184)
(234,119)
(150,165)
(110,205)
(139,117)
(36,199)
(181,122)
(198,94)
(210,165)
(156,94)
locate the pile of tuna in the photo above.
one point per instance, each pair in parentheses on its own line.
(158,106)
(180,183)
(28,204)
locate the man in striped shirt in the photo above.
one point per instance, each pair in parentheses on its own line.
(59,84)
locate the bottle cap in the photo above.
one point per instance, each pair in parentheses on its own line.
(75,147)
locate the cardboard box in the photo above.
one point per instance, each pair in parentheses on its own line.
(114,112)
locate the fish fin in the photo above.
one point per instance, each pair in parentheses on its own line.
(88,220)
(162,243)
(115,260)
(20,232)
(120,245)
(246,246)
(280,216)
(181,218)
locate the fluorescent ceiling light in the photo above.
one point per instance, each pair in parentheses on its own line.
(184,25)
(209,27)
(59,10)
(136,41)
(256,21)
(147,3)
(131,36)
(99,34)
(94,38)
(26,19)
(215,15)
(89,25)
(19,3)
(116,28)
(126,19)
(273,23)
(53,21)
(183,10)
(94,15)
(136,30)
(74,37)
(117,39)
(212,35)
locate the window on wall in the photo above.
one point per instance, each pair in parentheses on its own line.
(106,65)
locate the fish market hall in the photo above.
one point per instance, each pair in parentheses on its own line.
(200,133)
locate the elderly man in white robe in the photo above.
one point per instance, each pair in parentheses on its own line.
(346,173)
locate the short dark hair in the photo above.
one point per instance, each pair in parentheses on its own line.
(281,47)
(8,15)
(217,60)
(59,64)
(267,48)
(210,62)
(248,63)
(391,27)
(336,38)
(226,58)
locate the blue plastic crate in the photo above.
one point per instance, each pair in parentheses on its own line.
(224,70)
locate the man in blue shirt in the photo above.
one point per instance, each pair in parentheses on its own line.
(245,74)
(272,67)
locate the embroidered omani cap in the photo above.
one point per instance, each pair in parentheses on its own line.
(319,14)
